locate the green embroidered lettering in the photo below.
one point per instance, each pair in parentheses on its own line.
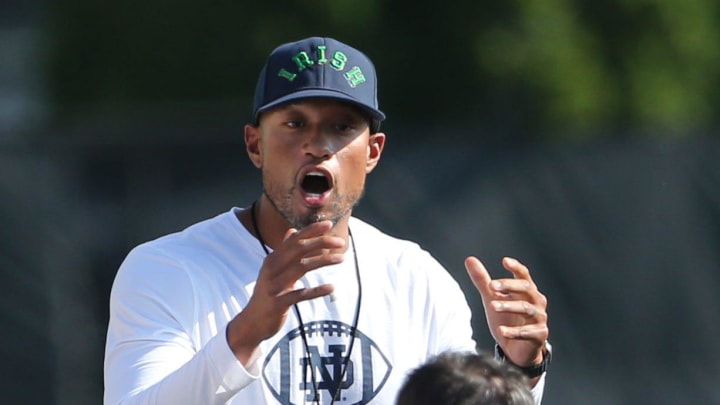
(354,76)
(338,61)
(302,60)
(284,73)
(322,59)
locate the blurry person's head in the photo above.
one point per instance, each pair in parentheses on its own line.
(464,378)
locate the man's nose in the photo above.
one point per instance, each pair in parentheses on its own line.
(319,143)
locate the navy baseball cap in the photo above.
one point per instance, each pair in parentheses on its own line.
(318,67)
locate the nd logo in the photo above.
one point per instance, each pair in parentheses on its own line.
(327,370)
(289,366)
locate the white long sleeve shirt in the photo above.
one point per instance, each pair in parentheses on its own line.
(173,298)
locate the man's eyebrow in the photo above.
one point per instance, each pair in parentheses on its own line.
(289,109)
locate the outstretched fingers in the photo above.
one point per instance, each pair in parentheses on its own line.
(521,286)
(303,294)
(532,318)
(479,276)
(302,251)
(275,290)
(515,309)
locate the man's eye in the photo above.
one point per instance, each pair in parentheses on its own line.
(343,127)
(294,124)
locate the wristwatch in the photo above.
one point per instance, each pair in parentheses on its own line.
(532,371)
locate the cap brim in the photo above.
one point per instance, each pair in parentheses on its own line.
(320,93)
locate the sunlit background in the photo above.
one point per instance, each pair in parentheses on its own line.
(580,137)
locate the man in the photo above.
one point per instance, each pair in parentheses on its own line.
(292,300)
(455,378)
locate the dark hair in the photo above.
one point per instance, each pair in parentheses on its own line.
(465,378)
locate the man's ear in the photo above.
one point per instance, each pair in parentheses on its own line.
(376,143)
(252,144)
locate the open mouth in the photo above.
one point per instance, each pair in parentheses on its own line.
(315,183)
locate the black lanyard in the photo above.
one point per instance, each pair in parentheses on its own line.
(346,360)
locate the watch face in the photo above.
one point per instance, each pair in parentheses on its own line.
(547,356)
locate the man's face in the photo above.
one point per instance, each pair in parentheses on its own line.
(315,155)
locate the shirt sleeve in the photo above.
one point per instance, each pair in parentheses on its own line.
(150,355)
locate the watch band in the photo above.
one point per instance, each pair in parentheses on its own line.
(532,371)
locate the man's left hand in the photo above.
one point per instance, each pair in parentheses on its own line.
(515,309)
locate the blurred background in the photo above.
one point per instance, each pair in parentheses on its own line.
(580,137)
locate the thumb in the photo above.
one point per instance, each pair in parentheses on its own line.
(290,232)
(479,276)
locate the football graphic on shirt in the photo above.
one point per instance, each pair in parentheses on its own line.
(294,372)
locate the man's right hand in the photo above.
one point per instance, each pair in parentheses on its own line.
(300,252)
